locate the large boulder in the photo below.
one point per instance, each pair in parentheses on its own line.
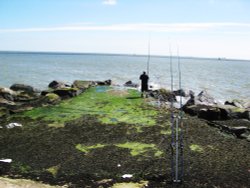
(204,98)
(232,112)
(163,95)
(57,85)
(82,85)
(65,93)
(210,113)
(23,88)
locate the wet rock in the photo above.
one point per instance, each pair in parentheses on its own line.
(194,110)
(82,85)
(65,93)
(180,92)
(163,95)
(23,87)
(57,84)
(130,84)
(102,83)
(211,113)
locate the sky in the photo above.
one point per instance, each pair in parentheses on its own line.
(198,28)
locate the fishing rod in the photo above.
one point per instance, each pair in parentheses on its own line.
(148,57)
(176,131)
(180,118)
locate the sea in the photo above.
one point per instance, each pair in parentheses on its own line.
(224,79)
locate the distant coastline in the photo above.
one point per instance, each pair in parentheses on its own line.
(119,54)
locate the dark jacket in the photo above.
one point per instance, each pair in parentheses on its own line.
(144,82)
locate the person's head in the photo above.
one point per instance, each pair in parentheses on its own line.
(144,72)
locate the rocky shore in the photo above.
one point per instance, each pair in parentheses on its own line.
(93,134)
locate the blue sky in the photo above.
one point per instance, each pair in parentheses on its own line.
(201,28)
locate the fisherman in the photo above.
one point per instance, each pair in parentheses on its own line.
(144,83)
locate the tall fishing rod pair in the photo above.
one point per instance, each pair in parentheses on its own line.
(177,146)
(177,160)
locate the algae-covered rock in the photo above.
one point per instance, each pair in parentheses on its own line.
(52,98)
(81,84)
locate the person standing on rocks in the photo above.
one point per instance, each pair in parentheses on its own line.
(144,83)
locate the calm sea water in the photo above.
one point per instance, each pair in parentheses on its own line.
(223,79)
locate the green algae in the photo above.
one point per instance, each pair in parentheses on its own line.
(140,184)
(86,149)
(109,108)
(54,170)
(137,148)
(196,148)
(22,168)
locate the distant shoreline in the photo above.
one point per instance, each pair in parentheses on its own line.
(118,54)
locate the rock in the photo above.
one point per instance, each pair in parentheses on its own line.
(7,94)
(210,113)
(57,85)
(82,85)
(25,97)
(106,82)
(235,103)
(246,105)
(6,103)
(130,84)
(204,98)
(238,131)
(65,93)
(4,112)
(23,87)
(232,112)
(163,95)
(180,92)
(45,92)
(52,98)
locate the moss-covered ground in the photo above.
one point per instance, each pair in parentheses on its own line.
(94,139)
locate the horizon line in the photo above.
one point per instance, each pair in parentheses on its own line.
(116,54)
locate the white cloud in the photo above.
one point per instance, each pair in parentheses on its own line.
(148,27)
(109,2)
